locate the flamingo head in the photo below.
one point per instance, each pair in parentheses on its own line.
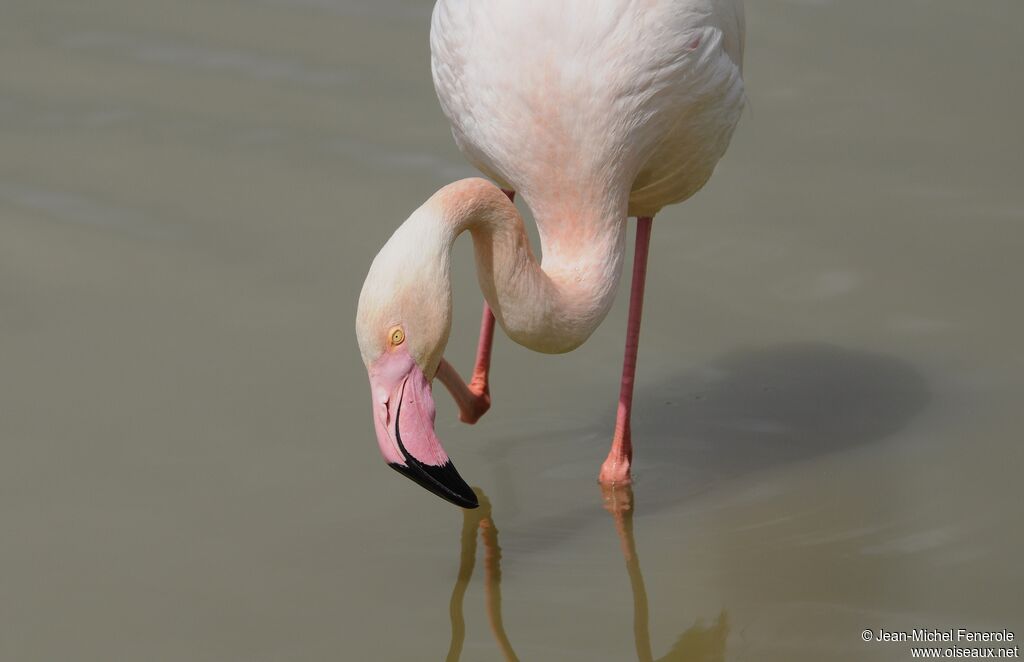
(402,326)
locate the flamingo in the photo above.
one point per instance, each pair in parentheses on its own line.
(593,111)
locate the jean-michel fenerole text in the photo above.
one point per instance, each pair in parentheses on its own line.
(955,634)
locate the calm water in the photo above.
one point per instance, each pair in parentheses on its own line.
(828,425)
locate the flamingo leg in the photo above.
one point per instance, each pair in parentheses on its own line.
(474,399)
(615,470)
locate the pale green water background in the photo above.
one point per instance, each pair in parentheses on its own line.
(829,412)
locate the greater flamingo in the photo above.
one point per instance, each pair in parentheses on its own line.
(593,111)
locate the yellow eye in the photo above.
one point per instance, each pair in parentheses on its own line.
(397,336)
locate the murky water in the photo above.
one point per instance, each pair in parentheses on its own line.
(828,423)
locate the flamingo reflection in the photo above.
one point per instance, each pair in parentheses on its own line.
(697,644)
(479,519)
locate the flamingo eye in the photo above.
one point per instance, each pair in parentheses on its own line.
(397,336)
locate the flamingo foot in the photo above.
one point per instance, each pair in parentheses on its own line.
(473,399)
(615,471)
(478,402)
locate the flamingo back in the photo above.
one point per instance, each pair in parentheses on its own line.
(591,103)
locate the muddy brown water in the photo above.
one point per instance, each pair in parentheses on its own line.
(828,424)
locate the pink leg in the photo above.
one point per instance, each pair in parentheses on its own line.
(478,384)
(615,470)
(474,399)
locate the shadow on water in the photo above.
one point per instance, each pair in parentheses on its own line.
(697,644)
(743,412)
(755,408)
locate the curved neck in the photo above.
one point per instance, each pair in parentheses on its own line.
(552,306)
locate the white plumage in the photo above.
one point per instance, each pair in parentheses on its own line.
(570,100)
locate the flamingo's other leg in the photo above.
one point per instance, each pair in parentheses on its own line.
(615,470)
(474,399)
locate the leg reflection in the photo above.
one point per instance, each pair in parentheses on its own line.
(618,500)
(699,643)
(466,562)
(474,520)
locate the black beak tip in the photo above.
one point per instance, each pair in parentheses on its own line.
(443,480)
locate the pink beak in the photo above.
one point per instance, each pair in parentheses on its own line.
(403,415)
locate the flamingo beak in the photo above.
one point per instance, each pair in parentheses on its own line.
(403,415)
